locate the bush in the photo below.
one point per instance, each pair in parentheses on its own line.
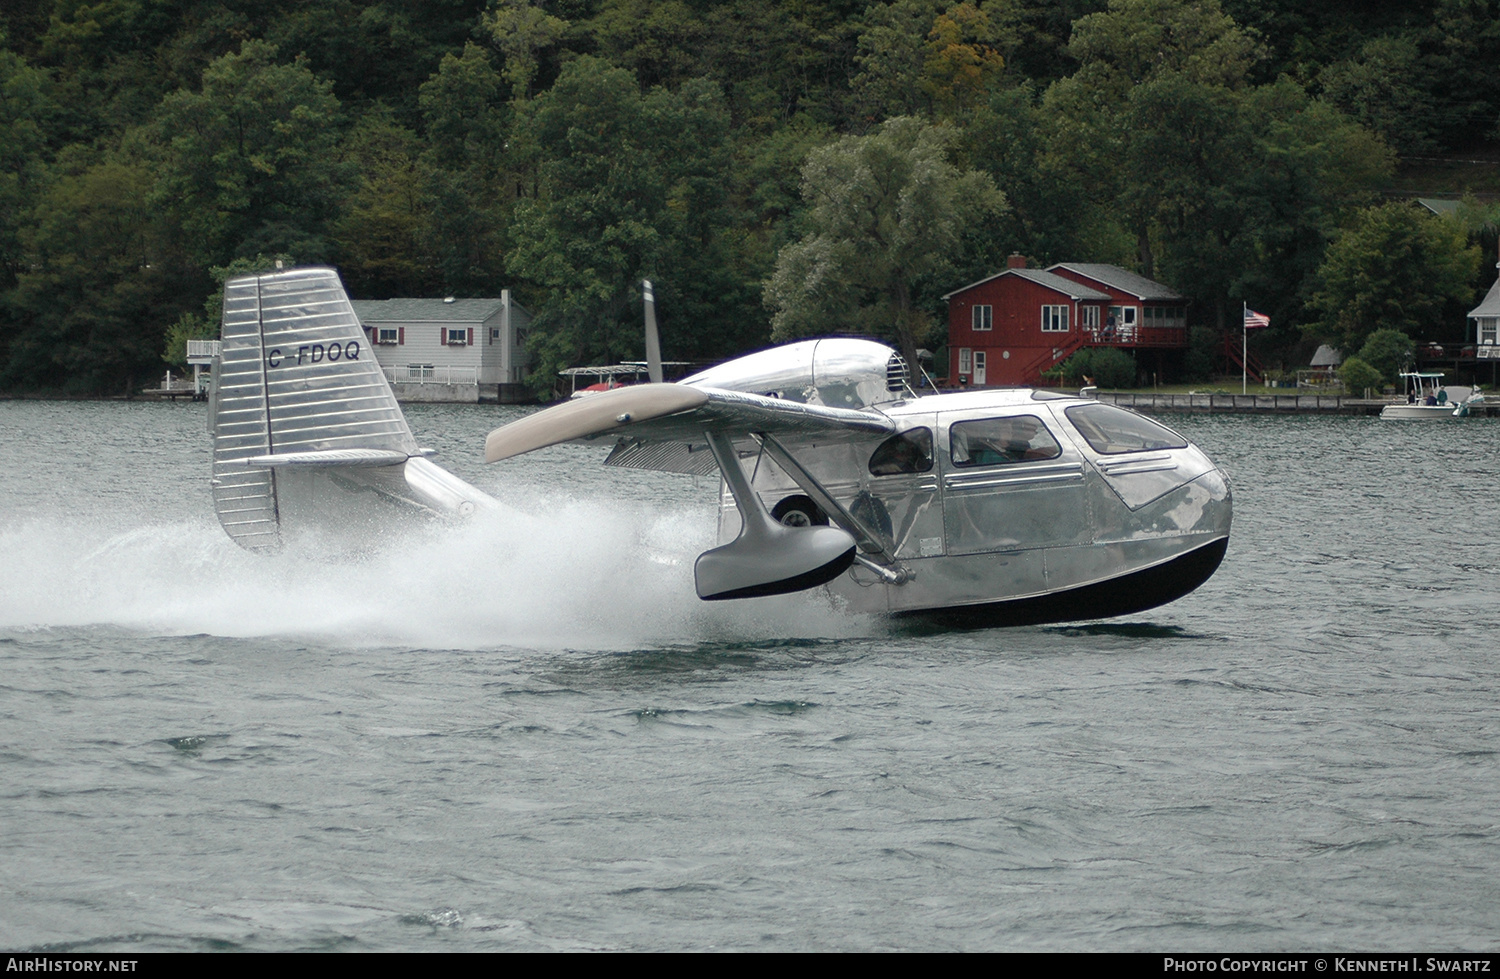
(1109,368)
(1359,376)
(1387,351)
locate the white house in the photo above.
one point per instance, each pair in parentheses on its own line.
(449,349)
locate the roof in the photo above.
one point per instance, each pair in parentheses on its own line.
(426,310)
(1122,279)
(1056,283)
(1327,356)
(1438,206)
(1490,306)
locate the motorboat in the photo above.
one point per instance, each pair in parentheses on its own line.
(1426,397)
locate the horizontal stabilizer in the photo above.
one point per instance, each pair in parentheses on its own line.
(296,381)
(340,458)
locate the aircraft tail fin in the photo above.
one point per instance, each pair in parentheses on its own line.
(296,380)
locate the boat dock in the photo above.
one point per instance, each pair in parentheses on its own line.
(1306,404)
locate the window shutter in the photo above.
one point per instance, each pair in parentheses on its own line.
(443,335)
(471,336)
(400,336)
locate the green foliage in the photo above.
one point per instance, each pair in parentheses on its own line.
(384,232)
(1382,88)
(1388,352)
(1359,377)
(463,146)
(884,210)
(463,186)
(629,188)
(205,325)
(99,264)
(25,110)
(189,326)
(249,161)
(1108,367)
(522,30)
(1138,40)
(1394,267)
(1204,345)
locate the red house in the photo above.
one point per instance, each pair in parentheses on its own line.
(1006,329)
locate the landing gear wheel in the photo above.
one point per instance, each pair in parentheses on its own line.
(799,511)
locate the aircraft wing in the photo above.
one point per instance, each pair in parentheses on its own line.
(662,426)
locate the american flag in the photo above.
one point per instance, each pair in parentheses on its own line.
(1253,320)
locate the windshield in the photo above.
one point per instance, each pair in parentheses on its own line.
(1112,430)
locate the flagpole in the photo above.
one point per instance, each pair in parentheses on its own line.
(1244,347)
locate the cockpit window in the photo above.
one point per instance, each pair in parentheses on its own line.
(908,452)
(1112,430)
(999,441)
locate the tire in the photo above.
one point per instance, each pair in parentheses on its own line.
(799,511)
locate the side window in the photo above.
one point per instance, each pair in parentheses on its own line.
(1112,430)
(1000,441)
(908,452)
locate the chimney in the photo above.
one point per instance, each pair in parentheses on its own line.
(1016,261)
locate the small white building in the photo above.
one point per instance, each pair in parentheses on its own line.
(1486,317)
(449,349)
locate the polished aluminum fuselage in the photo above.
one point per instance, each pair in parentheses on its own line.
(976,534)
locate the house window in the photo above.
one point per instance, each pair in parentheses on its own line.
(1054,319)
(984,317)
(388,336)
(1088,318)
(1163,316)
(458,337)
(1488,329)
(965,361)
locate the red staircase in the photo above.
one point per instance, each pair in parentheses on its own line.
(1031,374)
(1250,364)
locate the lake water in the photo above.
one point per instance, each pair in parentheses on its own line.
(529,735)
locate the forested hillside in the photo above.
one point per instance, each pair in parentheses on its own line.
(786,165)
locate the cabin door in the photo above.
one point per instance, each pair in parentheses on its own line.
(979,358)
(899,498)
(1011,481)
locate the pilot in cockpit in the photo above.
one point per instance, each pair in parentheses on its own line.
(996,441)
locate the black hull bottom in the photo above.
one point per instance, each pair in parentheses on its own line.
(801,582)
(1134,592)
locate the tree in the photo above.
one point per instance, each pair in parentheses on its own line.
(630,185)
(1358,376)
(24,111)
(885,211)
(522,30)
(468,177)
(1397,268)
(104,278)
(921,54)
(250,162)
(382,231)
(1387,352)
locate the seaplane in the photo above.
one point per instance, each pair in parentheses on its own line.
(992,507)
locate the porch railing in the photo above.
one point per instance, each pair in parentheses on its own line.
(427,374)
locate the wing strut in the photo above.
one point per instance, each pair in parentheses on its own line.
(868,539)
